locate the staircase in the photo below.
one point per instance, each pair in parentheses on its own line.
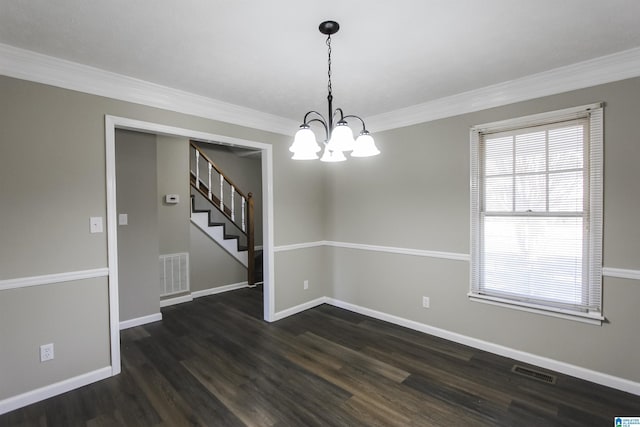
(214,202)
(202,218)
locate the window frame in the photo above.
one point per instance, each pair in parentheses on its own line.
(592,209)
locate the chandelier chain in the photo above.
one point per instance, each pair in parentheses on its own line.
(329,63)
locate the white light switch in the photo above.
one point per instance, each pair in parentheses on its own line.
(96,224)
(123,219)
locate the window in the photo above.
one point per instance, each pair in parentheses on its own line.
(536,202)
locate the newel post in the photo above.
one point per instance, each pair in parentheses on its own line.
(251,264)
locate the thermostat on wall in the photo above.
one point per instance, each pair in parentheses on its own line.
(172,199)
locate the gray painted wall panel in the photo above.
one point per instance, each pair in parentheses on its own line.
(211,266)
(136,191)
(72,316)
(173,178)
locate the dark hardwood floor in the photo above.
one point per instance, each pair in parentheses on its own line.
(214,362)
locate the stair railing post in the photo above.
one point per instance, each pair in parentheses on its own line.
(222,193)
(243,203)
(197,169)
(251,257)
(209,187)
(233,204)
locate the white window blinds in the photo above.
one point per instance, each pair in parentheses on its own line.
(537,211)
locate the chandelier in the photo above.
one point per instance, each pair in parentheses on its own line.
(339,137)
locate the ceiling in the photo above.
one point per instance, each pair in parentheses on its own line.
(270,56)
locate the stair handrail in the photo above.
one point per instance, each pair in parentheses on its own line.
(247,219)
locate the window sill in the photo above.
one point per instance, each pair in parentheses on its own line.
(592,319)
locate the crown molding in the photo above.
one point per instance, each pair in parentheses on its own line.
(605,69)
(27,65)
(32,66)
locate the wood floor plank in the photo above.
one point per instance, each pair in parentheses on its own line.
(346,356)
(203,405)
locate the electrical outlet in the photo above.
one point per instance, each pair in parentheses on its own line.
(306,285)
(425,302)
(46,352)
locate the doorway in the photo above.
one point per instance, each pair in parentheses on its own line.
(111,124)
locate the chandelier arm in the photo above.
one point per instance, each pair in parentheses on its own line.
(324,125)
(364,128)
(342,116)
(305,121)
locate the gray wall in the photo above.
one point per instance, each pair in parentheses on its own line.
(210,266)
(136,192)
(416,195)
(72,315)
(52,179)
(173,178)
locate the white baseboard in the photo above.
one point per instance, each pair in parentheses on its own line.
(198,294)
(544,362)
(219,289)
(176,300)
(299,308)
(126,324)
(42,393)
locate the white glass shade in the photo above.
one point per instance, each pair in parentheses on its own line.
(332,156)
(341,138)
(305,146)
(365,146)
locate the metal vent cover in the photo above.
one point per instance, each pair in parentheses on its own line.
(534,374)
(174,273)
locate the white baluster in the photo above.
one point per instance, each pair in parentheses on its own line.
(197,169)
(233,209)
(221,193)
(209,180)
(243,225)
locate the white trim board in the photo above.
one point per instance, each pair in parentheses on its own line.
(301,307)
(455,256)
(203,293)
(49,279)
(176,300)
(621,273)
(32,66)
(605,69)
(374,248)
(402,251)
(296,246)
(138,321)
(36,67)
(42,393)
(219,289)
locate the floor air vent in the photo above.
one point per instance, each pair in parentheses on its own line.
(534,374)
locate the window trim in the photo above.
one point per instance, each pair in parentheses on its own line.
(594,112)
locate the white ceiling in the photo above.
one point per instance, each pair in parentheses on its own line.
(270,56)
